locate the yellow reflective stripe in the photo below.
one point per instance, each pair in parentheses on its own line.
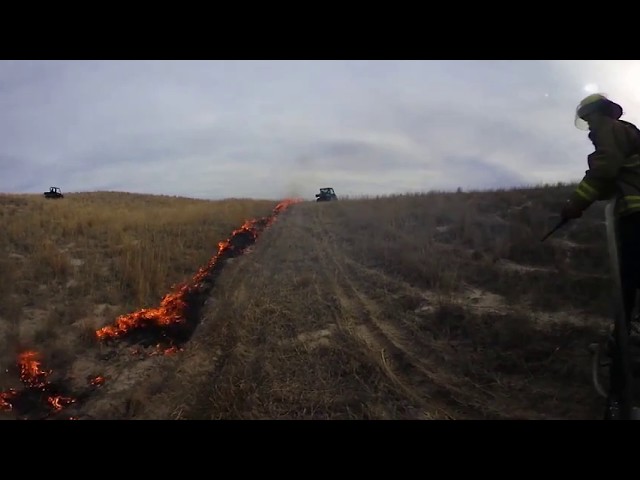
(632,161)
(587,191)
(631,204)
(631,208)
(583,195)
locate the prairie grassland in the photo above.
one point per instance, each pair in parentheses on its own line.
(426,306)
(74,263)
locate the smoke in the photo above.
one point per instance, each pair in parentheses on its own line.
(302,179)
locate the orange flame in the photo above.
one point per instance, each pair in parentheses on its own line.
(97,381)
(35,379)
(5,399)
(171,350)
(30,373)
(173,307)
(58,402)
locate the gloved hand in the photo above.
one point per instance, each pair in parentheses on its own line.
(570,211)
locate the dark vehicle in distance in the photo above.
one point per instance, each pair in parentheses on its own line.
(326,195)
(54,192)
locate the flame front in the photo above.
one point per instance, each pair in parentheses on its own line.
(173,308)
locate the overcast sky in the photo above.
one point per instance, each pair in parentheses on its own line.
(270,129)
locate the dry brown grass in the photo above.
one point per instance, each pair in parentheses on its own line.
(71,264)
(442,305)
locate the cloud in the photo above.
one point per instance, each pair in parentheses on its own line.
(268,129)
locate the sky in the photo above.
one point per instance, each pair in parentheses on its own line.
(274,129)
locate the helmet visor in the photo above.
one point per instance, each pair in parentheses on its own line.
(580,123)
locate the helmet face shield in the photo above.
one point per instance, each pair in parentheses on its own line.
(580,123)
(588,105)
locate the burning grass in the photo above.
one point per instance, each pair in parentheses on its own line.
(70,266)
(40,398)
(172,323)
(167,326)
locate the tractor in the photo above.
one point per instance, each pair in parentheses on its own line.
(326,195)
(54,192)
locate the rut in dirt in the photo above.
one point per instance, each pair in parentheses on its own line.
(167,327)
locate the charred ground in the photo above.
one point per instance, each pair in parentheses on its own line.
(443,305)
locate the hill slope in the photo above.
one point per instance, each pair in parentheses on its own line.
(416,307)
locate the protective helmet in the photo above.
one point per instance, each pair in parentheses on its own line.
(593,103)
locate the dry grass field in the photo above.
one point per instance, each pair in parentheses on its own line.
(431,306)
(70,265)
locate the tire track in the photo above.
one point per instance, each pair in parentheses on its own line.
(401,363)
(452,374)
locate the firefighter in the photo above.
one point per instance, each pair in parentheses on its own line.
(614,172)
